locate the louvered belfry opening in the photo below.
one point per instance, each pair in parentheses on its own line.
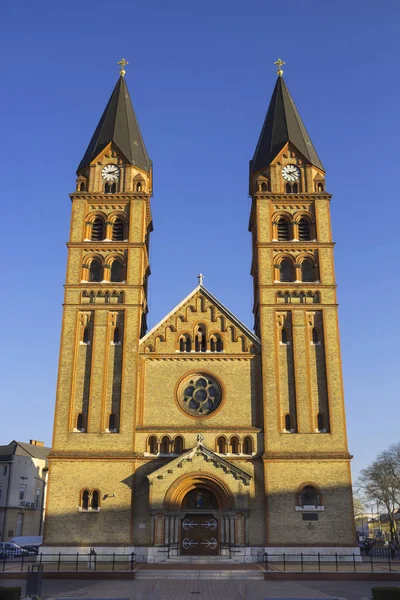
(304,230)
(97,230)
(118,230)
(283,230)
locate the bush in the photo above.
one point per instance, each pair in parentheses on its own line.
(10,593)
(386,593)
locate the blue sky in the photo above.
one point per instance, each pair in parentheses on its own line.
(200,75)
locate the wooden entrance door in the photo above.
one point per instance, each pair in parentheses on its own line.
(199,535)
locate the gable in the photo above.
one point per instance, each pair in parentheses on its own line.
(200,323)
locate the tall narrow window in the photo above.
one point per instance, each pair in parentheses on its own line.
(152,445)
(165,444)
(117,271)
(178,444)
(307,270)
(116,338)
(112,422)
(288,188)
(82,187)
(86,335)
(95,500)
(288,423)
(295,188)
(304,230)
(284,336)
(139,187)
(219,345)
(314,336)
(309,496)
(95,271)
(80,422)
(221,445)
(283,230)
(320,422)
(118,230)
(247,445)
(85,500)
(234,443)
(264,187)
(286,270)
(98,230)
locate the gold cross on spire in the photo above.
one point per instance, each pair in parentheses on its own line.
(279,63)
(122,62)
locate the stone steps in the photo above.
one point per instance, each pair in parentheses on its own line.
(218,574)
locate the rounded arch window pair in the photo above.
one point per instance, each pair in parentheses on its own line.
(199,394)
(96,271)
(286,231)
(100,230)
(287,271)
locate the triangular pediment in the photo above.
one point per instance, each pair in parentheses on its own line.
(198,457)
(200,316)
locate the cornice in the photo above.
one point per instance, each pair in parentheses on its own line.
(200,356)
(101,198)
(290,198)
(89,245)
(81,454)
(302,456)
(295,245)
(195,429)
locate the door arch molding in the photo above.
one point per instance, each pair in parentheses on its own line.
(184,484)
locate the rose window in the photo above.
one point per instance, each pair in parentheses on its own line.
(199,395)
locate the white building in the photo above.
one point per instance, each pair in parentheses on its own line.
(23,479)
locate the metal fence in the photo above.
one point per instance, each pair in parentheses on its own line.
(302,562)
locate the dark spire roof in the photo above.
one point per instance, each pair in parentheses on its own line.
(282,124)
(118,124)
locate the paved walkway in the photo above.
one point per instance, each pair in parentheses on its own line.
(203,589)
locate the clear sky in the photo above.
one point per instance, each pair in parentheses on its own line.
(200,76)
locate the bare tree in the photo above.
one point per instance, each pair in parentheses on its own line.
(380,483)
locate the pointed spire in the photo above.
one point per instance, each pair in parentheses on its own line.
(119,125)
(282,124)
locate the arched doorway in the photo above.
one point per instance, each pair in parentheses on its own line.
(203,521)
(199,530)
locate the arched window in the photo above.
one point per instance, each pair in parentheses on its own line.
(320,422)
(86,336)
(139,187)
(307,270)
(110,188)
(295,188)
(82,187)
(308,496)
(304,230)
(288,423)
(95,500)
(286,270)
(234,445)
(216,343)
(117,271)
(200,340)
(264,187)
(314,336)
(112,422)
(178,444)
(320,187)
(219,345)
(117,337)
(85,500)
(185,343)
(80,422)
(284,336)
(247,445)
(95,271)
(152,444)
(165,444)
(98,230)
(288,188)
(283,230)
(221,445)
(118,227)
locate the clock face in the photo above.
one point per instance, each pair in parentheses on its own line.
(110,172)
(291,173)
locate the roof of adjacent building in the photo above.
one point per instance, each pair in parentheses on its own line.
(22,449)
(118,124)
(283,124)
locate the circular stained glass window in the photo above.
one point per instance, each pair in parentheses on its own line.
(199,395)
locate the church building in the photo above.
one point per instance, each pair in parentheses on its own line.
(200,436)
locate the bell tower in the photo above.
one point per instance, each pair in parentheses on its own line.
(295,316)
(104,316)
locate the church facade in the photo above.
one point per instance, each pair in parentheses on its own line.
(200,435)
